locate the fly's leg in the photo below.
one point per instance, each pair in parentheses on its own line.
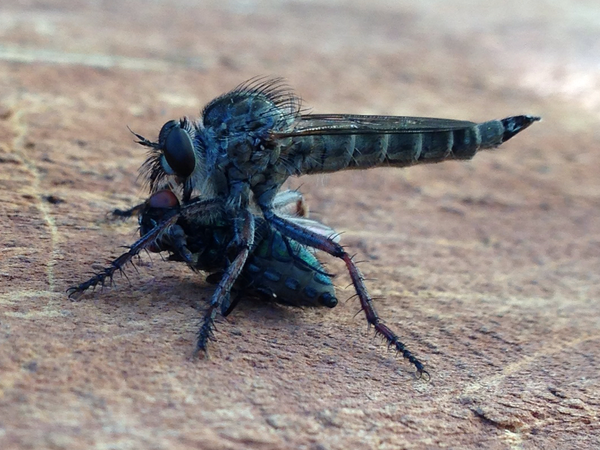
(291,203)
(220,299)
(328,245)
(117,265)
(148,241)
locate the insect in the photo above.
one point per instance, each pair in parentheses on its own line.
(284,272)
(225,170)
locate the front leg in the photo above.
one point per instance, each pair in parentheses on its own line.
(243,240)
(328,245)
(153,233)
(117,265)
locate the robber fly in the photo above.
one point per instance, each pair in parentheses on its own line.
(232,162)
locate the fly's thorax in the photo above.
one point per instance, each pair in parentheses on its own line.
(236,133)
(246,112)
(209,247)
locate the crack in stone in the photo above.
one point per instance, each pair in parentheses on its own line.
(19,150)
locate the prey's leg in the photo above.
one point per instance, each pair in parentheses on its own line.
(328,245)
(134,211)
(244,239)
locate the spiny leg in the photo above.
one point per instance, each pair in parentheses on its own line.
(117,265)
(210,208)
(290,204)
(323,243)
(220,299)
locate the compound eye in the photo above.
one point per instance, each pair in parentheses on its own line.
(163,199)
(178,149)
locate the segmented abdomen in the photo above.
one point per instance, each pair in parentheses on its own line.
(320,153)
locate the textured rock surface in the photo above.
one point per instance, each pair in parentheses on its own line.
(488,269)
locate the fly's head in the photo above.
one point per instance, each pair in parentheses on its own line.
(173,160)
(230,150)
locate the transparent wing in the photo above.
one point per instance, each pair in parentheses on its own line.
(316,227)
(290,204)
(335,124)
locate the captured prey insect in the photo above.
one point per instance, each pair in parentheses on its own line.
(280,270)
(232,162)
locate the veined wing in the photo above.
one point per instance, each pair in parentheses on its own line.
(315,227)
(347,124)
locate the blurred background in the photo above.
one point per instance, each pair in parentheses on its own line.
(487,269)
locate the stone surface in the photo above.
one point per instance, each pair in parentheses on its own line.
(488,269)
